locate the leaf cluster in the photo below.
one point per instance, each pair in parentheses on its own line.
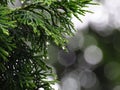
(24,33)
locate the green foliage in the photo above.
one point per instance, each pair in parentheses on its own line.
(6,44)
(24,32)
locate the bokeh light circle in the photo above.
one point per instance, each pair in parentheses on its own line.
(66,58)
(93,55)
(70,83)
(87,79)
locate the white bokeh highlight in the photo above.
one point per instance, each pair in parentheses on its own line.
(78,24)
(93,55)
(56,86)
(15,4)
(41,89)
(87,79)
(113,7)
(70,82)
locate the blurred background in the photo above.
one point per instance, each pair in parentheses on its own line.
(92,61)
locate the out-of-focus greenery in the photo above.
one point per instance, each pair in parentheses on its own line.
(24,33)
(108,72)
